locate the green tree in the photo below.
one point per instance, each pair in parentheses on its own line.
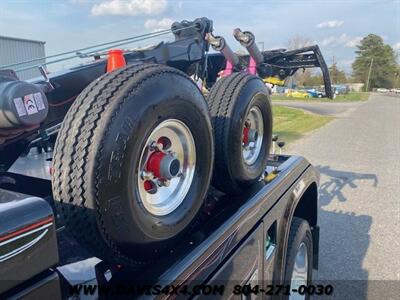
(301,76)
(373,54)
(314,80)
(337,76)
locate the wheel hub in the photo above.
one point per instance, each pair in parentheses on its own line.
(252,136)
(163,165)
(300,271)
(249,135)
(166,167)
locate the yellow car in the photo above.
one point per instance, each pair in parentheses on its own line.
(298,94)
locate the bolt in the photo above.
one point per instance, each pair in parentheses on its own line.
(163,182)
(154,146)
(147,175)
(150,187)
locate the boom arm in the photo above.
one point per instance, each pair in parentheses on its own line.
(282,63)
(278,63)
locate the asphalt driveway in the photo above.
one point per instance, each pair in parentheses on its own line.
(358,156)
(338,109)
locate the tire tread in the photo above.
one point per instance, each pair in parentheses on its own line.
(71,180)
(221,102)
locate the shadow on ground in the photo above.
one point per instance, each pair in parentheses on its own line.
(337,181)
(344,237)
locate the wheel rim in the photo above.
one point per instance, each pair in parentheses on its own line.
(253,131)
(166,167)
(300,271)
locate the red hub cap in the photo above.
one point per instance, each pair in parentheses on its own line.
(246,135)
(154,162)
(163,165)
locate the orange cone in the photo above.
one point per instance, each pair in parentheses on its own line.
(115,60)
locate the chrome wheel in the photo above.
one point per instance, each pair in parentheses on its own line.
(300,271)
(166,167)
(253,132)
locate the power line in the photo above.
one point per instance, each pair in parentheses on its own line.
(81,49)
(77,52)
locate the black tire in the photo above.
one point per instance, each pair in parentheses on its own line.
(229,102)
(97,155)
(300,232)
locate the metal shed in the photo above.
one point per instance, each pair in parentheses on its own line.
(14,50)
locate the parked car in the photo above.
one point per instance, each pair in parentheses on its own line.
(340,89)
(315,93)
(298,94)
(382,90)
(395,91)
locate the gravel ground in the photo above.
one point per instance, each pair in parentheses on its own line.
(358,156)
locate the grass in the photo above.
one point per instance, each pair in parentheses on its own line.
(350,97)
(291,124)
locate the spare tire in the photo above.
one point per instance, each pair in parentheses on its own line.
(241,113)
(133,162)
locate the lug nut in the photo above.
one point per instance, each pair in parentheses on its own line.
(150,186)
(146,175)
(154,146)
(163,182)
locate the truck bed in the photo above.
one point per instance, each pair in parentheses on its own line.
(200,254)
(229,225)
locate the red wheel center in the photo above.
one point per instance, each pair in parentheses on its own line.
(163,165)
(246,135)
(154,163)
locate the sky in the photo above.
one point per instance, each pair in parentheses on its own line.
(335,25)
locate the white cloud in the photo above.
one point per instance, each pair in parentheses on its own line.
(334,40)
(129,7)
(342,40)
(328,41)
(157,25)
(396,47)
(352,42)
(330,24)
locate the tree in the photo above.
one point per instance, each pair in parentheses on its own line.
(314,80)
(376,58)
(301,76)
(337,76)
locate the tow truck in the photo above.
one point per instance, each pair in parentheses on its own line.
(106,170)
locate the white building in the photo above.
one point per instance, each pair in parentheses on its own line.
(15,50)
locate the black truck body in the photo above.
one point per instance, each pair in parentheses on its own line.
(241,240)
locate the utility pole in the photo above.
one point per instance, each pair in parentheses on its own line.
(369,74)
